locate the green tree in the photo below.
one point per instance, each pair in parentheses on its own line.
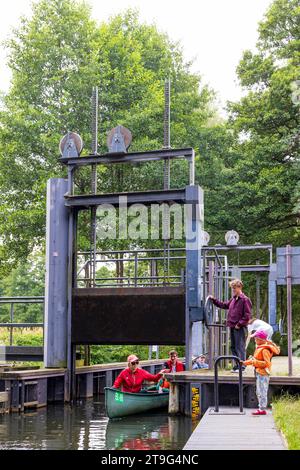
(262,187)
(53,69)
(56,57)
(27,279)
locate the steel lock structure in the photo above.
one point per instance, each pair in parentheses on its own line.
(159,308)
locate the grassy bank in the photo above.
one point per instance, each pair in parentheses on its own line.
(286,412)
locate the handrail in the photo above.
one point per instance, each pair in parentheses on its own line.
(134,257)
(216,386)
(20,300)
(143,250)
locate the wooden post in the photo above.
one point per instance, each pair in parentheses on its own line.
(174,398)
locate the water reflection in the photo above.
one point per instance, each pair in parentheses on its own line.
(85,426)
(148,432)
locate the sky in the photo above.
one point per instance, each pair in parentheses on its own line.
(212,32)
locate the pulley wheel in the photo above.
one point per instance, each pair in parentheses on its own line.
(208,312)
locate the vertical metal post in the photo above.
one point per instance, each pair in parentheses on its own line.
(210,332)
(73,373)
(167,145)
(192,169)
(257,293)
(11,321)
(217,316)
(204,295)
(289,307)
(272,282)
(226,298)
(56,285)
(153,270)
(194,221)
(71,282)
(135,269)
(216,385)
(70,346)
(71,172)
(94,181)
(75,256)
(167,140)
(93,246)
(95,120)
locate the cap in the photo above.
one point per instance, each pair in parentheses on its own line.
(260,334)
(132,358)
(194,358)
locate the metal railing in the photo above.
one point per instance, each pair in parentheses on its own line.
(132,262)
(12,301)
(216,385)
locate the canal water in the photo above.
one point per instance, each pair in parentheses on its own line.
(85,426)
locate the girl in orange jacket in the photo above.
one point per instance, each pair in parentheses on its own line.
(263,354)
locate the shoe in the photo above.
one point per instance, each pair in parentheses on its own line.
(259,412)
(234,371)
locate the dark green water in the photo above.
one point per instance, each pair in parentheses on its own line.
(85,426)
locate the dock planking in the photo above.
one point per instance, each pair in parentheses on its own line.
(236,432)
(279,375)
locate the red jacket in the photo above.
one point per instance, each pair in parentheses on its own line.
(132,382)
(179,366)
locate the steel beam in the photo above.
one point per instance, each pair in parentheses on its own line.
(134,157)
(143,197)
(255,268)
(24,353)
(259,246)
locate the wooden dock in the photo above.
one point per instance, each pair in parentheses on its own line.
(34,388)
(192,392)
(235,432)
(279,374)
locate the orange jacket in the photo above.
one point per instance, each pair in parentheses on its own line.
(262,357)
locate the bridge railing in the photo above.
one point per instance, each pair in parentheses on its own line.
(12,324)
(132,268)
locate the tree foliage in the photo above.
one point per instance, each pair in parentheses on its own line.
(263,181)
(56,57)
(27,279)
(247,166)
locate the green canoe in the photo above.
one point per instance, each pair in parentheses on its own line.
(118,404)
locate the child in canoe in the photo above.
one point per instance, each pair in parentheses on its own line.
(261,361)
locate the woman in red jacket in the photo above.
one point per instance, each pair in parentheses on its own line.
(132,378)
